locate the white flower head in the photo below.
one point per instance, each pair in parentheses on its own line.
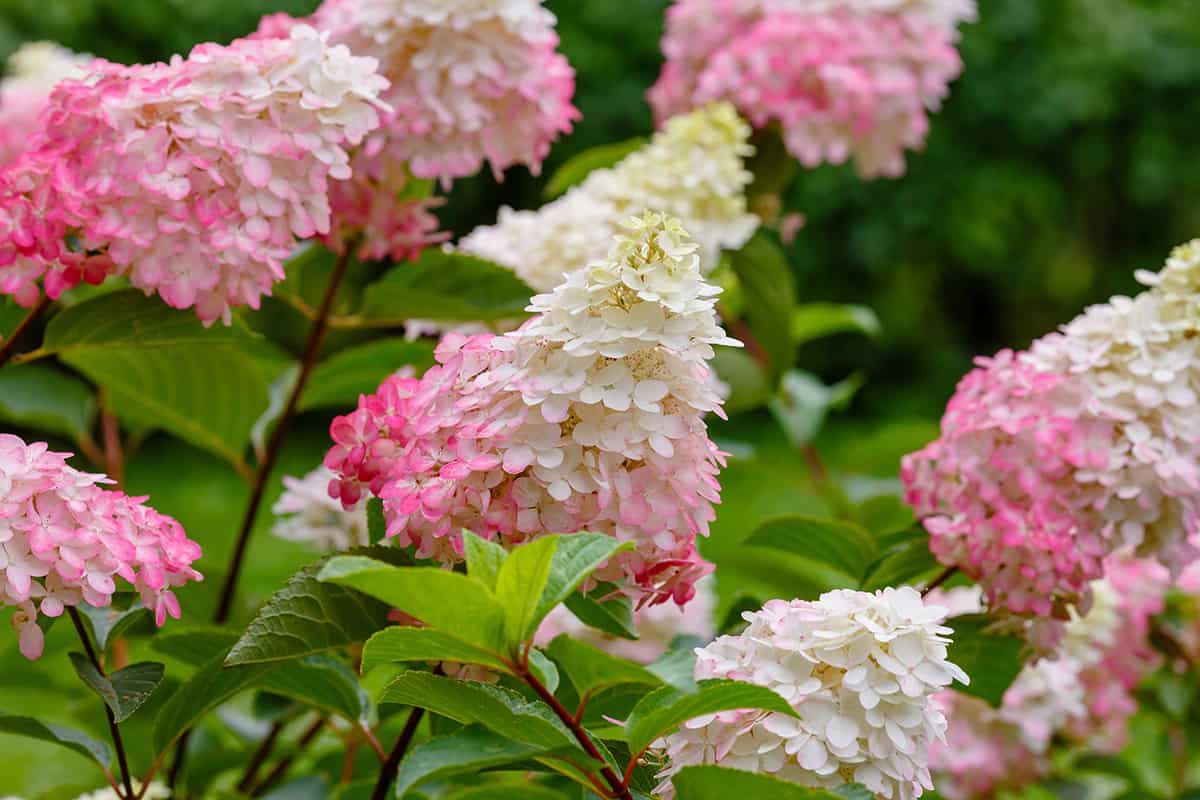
(306,513)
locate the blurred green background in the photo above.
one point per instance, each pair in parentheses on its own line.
(1064,158)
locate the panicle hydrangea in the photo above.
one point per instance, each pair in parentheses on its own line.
(33,70)
(64,540)
(692,170)
(860,668)
(841,78)
(193,178)
(657,626)
(589,417)
(1051,459)
(306,513)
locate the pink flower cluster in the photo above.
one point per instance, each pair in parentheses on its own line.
(33,70)
(589,417)
(63,541)
(1052,459)
(471,80)
(194,179)
(841,78)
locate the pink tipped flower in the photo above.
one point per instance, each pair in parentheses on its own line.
(841,78)
(1052,459)
(194,179)
(33,71)
(590,417)
(64,541)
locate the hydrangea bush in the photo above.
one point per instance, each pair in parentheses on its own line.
(525,537)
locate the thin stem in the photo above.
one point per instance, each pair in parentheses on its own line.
(387,773)
(942,577)
(741,331)
(261,753)
(370,739)
(114,458)
(311,351)
(118,745)
(285,763)
(9,345)
(615,784)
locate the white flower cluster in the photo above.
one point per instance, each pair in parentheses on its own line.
(155,791)
(306,513)
(691,170)
(859,668)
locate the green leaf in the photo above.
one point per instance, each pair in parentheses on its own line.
(613,616)
(576,168)
(577,556)
(854,791)
(448,286)
(41,397)
(904,563)
(376,522)
(522,790)
(748,385)
(470,750)
(125,690)
(484,559)
(338,381)
(591,669)
(308,616)
(804,402)
(707,782)
(991,659)
(770,292)
(545,670)
(69,738)
(519,585)
(440,599)
(162,367)
(503,711)
(323,682)
(110,623)
(194,645)
(665,709)
(843,546)
(425,644)
(209,687)
(817,320)
(677,666)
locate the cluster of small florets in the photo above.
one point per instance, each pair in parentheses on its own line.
(1083,692)
(306,513)
(64,540)
(692,170)
(589,417)
(841,78)
(194,178)
(859,668)
(33,70)
(1052,459)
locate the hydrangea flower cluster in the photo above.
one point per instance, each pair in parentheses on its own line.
(33,70)
(692,170)
(589,417)
(657,626)
(306,513)
(841,78)
(64,540)
(1051,459)
(1083,692)
(860,668)
(471,80)
(194,179)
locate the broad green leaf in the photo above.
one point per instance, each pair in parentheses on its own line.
(376,522)
(905,563)
(665,709)
(613,615)
(42,397)
(194,645)
(804,402)
(308,616)
(770,294)
(323,682)
(162,367)
(125,690)
(484,559)
(425,644)
(576,168)
(110,623)
(11,315)
(577,556)
(816,320)
(311,787)
(338,381)
(841,545)
(211,685)
(591,669)
(543,669)
(440,599)
(991,659)
(57,734)
(445,286)
(677,666)
(508,791)
(854,791)
(470,750)
(748,385)
(503,711)
(708,782)
(519,585)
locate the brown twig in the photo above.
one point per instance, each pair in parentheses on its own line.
(8,346)
(312,350)
(387,773)
(114,458)
(261,754)
(285,763)
(942,577)
(741,331)
(118,745)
